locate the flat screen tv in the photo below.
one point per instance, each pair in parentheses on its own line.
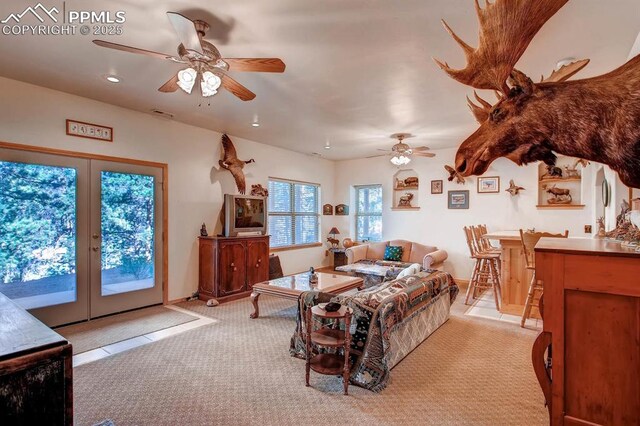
(244,214)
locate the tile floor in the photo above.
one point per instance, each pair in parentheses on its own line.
(134,342)
(485,307)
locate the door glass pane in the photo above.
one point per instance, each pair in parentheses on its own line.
(37,234)
(127,221)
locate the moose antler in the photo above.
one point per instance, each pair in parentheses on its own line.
(506,29)
(565,72)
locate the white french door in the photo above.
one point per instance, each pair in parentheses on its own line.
(79,238)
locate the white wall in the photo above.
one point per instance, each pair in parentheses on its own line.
(435,224)
(34,115)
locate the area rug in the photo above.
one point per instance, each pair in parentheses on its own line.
(116,328)
(237,371)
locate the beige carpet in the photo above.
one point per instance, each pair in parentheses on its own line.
(116,328)
(238,371)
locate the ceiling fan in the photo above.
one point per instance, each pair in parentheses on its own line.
(401,153)
(203,60)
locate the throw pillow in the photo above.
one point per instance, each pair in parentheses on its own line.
(411,270)
(393,253)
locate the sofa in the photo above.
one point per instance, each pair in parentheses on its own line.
(391,319)
(427,256)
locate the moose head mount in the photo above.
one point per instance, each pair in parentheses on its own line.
(595,119)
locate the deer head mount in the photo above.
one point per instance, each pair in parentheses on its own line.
(594,119)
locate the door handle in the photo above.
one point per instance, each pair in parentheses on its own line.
(95,248)
(95,236)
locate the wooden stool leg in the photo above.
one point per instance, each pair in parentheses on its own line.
(472,281)
(495,281)
(527,306)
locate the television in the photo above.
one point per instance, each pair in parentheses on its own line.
(244,215)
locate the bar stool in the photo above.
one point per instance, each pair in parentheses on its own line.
(485,273)
(529,240)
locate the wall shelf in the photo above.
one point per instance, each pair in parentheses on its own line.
(410,192)
(572,184)
(560,206)
(405,208)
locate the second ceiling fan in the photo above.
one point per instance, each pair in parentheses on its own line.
(205,63)
(401,153)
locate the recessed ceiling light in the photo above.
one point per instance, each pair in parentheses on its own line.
(327,145)
(112,79)
(255,124)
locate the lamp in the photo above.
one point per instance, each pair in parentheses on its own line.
(400,160)
(334,231)
(332,239)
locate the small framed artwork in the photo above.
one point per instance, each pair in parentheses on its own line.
(488,185)
(458,200)
(342,210)
(327,209)
(90,131)
(436,187)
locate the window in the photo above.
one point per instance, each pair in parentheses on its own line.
(369,213)
(293,213)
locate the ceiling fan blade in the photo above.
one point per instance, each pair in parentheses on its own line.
(385,150)
(234,87)
(424,154)
(375,156)
(421,148)
(186,30)
(130,49)
(255,64)
(170,86)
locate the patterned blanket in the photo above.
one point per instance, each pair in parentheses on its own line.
(376,312)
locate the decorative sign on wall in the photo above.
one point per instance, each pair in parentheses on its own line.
(327,209)
(89,131)
(342,210)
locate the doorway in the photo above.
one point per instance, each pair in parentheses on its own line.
(80,238)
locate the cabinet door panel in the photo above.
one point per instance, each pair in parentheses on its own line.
(257,261)
(232,268)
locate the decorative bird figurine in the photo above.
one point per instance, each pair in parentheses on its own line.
(454,174)
(233,164)
(513,189)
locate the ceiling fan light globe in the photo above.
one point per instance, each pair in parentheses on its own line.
(400,160)
(186,79)
(209,84)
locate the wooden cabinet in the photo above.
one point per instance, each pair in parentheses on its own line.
(35,370)
(591,317)
(230,266)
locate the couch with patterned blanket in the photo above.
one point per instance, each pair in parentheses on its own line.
(389,321)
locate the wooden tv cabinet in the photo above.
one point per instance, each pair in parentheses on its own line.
(591,314)
(230,266)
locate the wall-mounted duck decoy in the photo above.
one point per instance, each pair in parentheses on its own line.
(233,164)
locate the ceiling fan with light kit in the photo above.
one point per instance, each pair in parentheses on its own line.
(204,62)
(401,153)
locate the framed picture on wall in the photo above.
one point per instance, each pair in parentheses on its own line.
(458,200)
(488,185)
(436,187)
(342,210)
(327,209)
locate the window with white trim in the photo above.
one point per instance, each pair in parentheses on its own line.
(369,212)
(294,217)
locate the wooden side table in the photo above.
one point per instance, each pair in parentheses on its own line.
(326,336)
(339,257)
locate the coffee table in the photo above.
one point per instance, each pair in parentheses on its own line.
(292,286)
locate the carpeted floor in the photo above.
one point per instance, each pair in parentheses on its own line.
(116,328)
(238,371)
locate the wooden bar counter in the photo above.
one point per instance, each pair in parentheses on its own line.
(514,276)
